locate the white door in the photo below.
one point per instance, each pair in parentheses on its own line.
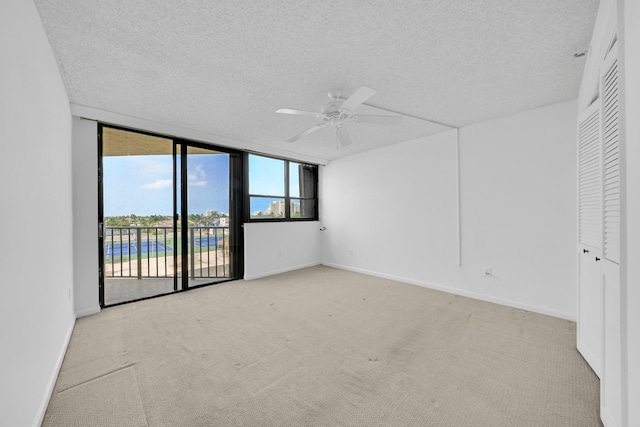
(611,379)
(589,333)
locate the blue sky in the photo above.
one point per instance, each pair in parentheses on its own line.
(266,177)
(142,185)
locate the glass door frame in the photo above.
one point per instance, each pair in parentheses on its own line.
(180,183)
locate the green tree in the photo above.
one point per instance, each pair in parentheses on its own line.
(116,221)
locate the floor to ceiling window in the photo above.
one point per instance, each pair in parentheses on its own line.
(168,217)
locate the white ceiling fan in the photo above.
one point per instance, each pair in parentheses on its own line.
(338,111)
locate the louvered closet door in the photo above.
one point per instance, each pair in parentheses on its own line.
(589,333)
(589,181)
(611,164)
(611,379)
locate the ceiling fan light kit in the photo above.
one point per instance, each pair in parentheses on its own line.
(338,111)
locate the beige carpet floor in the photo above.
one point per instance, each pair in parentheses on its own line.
(322,347)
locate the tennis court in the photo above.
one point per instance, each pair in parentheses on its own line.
(126,249)
(154,247)
(207,242)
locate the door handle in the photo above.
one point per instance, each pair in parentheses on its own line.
(585,251)
(597,259)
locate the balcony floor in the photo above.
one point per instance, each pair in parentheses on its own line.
(123,289)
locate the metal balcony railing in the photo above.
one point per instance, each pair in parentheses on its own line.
(149,252)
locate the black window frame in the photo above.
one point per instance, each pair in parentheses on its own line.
(237,185)
(286,197)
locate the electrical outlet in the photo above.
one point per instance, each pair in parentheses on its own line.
(487,271)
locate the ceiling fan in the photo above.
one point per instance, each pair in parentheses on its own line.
(338,111)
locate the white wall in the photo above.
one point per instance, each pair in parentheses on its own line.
(36,305)
(518,197)
(392,212)
(276,247)
(629,26)
(85,213)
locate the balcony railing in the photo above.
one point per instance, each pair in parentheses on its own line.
(149,252)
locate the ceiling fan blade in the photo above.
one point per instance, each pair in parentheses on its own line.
(299,112)
(375,119)
(358,97)
(343,136)
(307,132)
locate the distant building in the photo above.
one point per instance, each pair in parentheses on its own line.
(276,209)
(210,213)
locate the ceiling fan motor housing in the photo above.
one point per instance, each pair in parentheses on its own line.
(332,112)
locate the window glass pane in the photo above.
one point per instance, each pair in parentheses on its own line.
(207,207)
(266,176)
(266,207)
(139,242)
(303,208)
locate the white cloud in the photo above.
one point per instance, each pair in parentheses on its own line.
(159,183)
(146,168)
(197,177)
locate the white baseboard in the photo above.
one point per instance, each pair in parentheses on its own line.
(88,312)
(282,270)
(455,291)
(607,419)
(54,377)
(588,355)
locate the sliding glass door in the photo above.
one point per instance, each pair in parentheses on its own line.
(167,223)
(207,208)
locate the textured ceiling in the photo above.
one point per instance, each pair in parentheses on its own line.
(224,67)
